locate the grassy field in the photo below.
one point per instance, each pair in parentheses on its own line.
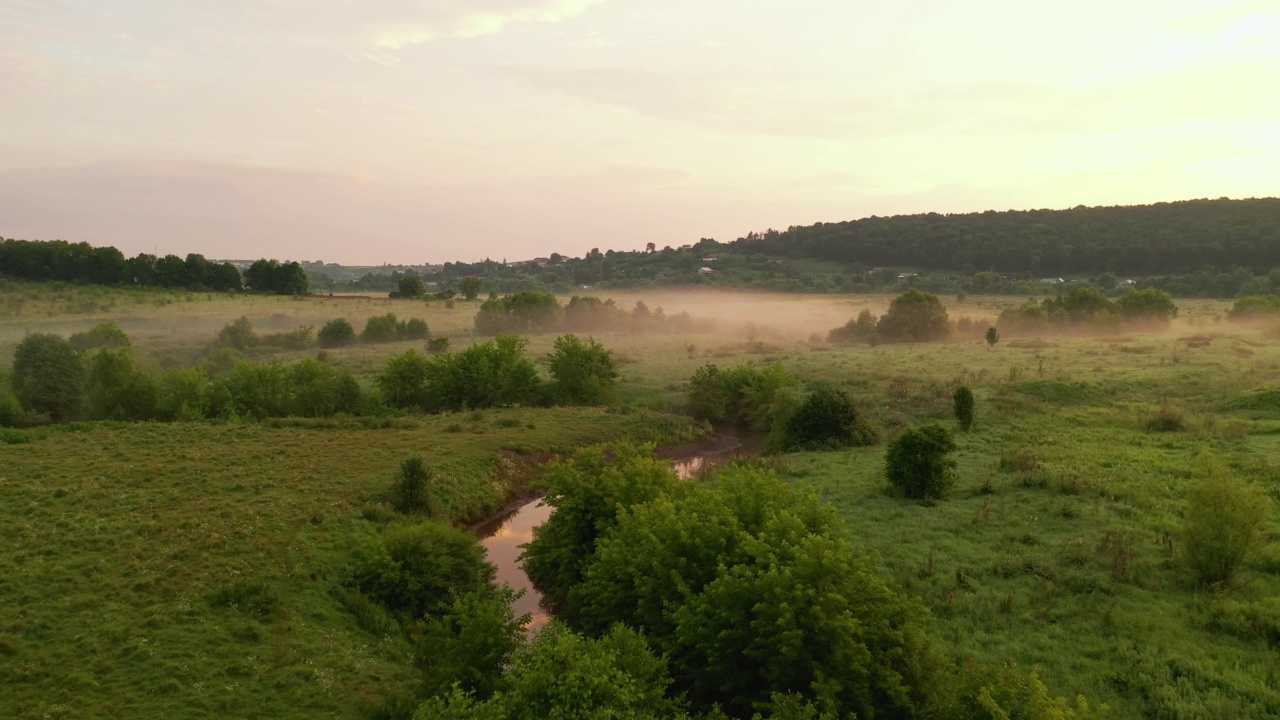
(191,570)
(1057,548)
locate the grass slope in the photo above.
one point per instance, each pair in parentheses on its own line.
(190,570)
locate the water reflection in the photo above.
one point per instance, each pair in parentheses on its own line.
(502,538)
(503,535)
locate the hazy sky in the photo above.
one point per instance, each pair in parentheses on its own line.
(430,130)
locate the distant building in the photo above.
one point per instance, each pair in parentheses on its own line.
(907,276)
(1052,281)
(708,259)
(706,270)
(1129,282)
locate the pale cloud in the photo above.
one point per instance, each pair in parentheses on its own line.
(474,19)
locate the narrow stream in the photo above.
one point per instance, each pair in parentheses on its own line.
(503,534)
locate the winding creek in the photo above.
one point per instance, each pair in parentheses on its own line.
(503,534)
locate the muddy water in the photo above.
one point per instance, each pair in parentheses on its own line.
(503,534)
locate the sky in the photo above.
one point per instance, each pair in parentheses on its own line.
(423,131)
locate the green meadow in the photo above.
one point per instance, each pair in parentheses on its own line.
(194,569)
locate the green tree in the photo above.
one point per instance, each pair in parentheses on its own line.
(752,588)
(826,420)
(411,286)
(411,493)
(117,390)
(1223,526)
(403,381)
(336,333)
(415,570)
(471,643)
(992,336)
(48,376)
(562,675)
(470,287)
(522,313)
(588,491)
(584,373)
(963,399)
(914,316)
(917,462)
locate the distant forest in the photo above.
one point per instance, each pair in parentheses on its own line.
(1161,239)
(1197,248)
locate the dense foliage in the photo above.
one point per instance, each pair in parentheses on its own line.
(963,401)
(582,372)
(751,589)
(1223,525)
(414,570)
(48,376)
(756,397)
(826,420)
(491,374)
(918,462)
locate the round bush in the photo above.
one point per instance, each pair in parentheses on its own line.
(415,568)
(826,420)
(336,333)
(917,464)
(48,376)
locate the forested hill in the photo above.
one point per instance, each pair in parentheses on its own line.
(1166,238)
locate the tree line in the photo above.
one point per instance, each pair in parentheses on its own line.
(61,261)
(94,376)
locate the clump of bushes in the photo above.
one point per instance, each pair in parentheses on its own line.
(48,376)
(826,420)
(755,397)
(913,316)
(491,374)
(1255,306)
(1089,307)
(918,463)
(385,329)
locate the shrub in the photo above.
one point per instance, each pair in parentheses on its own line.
(1166,420)
(238,334)
(914,316)
(1151,305)
(104,335)
(413,329)
(964,407)
(336,333)
(917,465)
(48,376)
(854,331)
(584,373)
(1255,306)
(414,570)
(1223,525)
(299,339)
(826,420)
(411,494)
(380,329)
(435,346)
(993,336)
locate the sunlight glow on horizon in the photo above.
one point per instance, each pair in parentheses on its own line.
(460,129)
